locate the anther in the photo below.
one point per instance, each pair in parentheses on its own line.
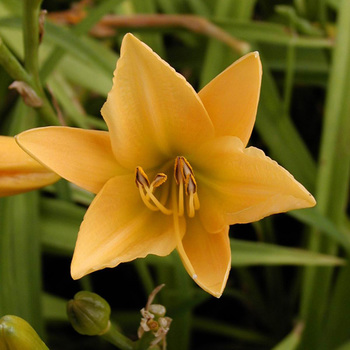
(184,177)
(146,190)
(190,184)
(182,169)
(141,178)
(158,180)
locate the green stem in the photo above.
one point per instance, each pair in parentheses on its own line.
(288,86)
(144,342)
(31,10)
(145,275)
(12,66)
(116,338)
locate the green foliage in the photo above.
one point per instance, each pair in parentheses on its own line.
(303,122)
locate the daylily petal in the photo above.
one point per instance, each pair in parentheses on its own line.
(237,185)
(118,227)
(207,256)
(231,99)
(152,112)
(83,157)
(19,172)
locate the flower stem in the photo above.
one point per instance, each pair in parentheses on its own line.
(144,342)
(116,338)
(31,11)
(11,64)
(18,73)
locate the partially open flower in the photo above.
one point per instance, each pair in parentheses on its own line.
(19,172)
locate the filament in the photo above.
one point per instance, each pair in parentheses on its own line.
(145,199)
(181,198)
(156,202)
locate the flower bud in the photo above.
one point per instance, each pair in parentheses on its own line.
(17,334)
(89,313)
(157,310)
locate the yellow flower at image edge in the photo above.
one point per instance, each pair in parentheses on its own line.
(173,171)
(19,172)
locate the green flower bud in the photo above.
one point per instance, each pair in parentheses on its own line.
(89,313)
(17,334)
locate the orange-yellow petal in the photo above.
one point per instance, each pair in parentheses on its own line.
(19,172)
(206,256)
(118,227)
(83,157)
(238,185)
(231,99)
(152,112)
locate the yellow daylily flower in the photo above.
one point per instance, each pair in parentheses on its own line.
(19,172)
(173,170)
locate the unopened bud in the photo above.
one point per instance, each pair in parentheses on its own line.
(89,313)
(17,334)
(157,310)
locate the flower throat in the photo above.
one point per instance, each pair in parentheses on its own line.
(187,197)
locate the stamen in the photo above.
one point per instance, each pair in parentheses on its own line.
(144,185)
(181,198)
(158,180)
(177,170)
(145,200)
(141,178)
(179,181)
(184,177)
(158,204)
(190,184)
(191,209)
(186,167)
(196,201)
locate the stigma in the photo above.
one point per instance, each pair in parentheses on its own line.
(186,201)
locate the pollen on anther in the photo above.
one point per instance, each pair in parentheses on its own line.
(141,177)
